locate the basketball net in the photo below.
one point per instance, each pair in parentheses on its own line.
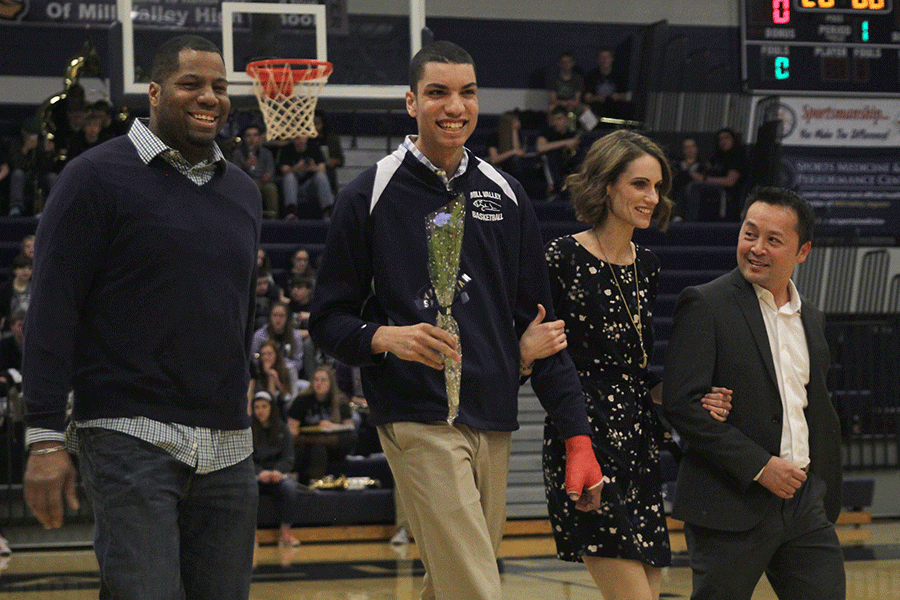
(287,90)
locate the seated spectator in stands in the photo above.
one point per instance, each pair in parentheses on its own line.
(270,374)
(324,406)
(505,145)
(606,90)
(685,170)
(566,85)
(304,180)
(87,138)
(12,425)
(15,293)
(68,119)
(11,365)
(263,263)
(258,162)
(27,247)
(35,164)
(717,195)
(108,125)
(558,144)
(330,145)
(5,171)
(267,294)
(273,456)
(301,267)
(280,331)
(300,299)
(300,292)
(349,381)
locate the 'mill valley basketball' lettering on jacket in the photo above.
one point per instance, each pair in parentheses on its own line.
(376,273)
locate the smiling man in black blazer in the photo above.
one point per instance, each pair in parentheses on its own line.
(759,492)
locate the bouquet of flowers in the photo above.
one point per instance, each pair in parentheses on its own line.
(445,235)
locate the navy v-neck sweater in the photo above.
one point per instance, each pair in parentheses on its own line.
(143,291)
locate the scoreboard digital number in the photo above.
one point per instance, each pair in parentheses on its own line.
(834,47)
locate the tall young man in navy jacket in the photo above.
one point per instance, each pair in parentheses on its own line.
(143,304)
(374,307)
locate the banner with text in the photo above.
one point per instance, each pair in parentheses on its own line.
(854,191)
(195,15)
(839,122)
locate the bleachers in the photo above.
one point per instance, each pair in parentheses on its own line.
(690,254)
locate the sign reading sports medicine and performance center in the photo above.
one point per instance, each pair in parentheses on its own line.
(841,155)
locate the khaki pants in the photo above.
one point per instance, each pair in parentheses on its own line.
(452,482)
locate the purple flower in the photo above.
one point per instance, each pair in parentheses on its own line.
(442,219)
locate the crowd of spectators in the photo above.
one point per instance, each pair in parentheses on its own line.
(291,383)
(580,109)
(33,157)
(717,187)
(297,178)
(15,295)
(583,107)
(309,411)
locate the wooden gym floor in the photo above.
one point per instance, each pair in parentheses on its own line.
(358,563)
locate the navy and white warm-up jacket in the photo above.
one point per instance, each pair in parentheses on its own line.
(375,272)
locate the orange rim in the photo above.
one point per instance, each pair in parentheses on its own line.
(308,69)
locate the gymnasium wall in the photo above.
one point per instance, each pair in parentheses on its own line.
(722,13)
(515,45)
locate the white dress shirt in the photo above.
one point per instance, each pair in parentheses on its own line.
(790,353)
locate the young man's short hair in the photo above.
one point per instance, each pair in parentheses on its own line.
(302,282)
(440,52)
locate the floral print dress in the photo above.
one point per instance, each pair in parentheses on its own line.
(605,348)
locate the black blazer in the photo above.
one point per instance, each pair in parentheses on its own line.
(719,338)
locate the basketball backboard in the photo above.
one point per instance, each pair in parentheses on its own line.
(370,45)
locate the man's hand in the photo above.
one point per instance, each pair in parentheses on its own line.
(781,477)
(269,477)
(424,343)
(584,479)
(48,479)
(541,339)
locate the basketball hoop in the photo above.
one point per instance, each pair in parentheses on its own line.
(287,90)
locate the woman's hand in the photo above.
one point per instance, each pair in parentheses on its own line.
(718,402)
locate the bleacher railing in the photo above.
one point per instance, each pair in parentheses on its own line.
(865,385)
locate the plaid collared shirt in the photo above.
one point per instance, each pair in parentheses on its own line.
(204,449)
(410,144)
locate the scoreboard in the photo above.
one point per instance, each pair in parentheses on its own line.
(833,47)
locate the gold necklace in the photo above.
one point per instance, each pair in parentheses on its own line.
(635,322)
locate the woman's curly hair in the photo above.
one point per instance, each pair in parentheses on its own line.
(606,159)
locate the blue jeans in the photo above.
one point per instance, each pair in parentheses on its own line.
(315,189)
(284,497)
(163,532)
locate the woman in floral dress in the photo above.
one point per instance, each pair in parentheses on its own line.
(604,288)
